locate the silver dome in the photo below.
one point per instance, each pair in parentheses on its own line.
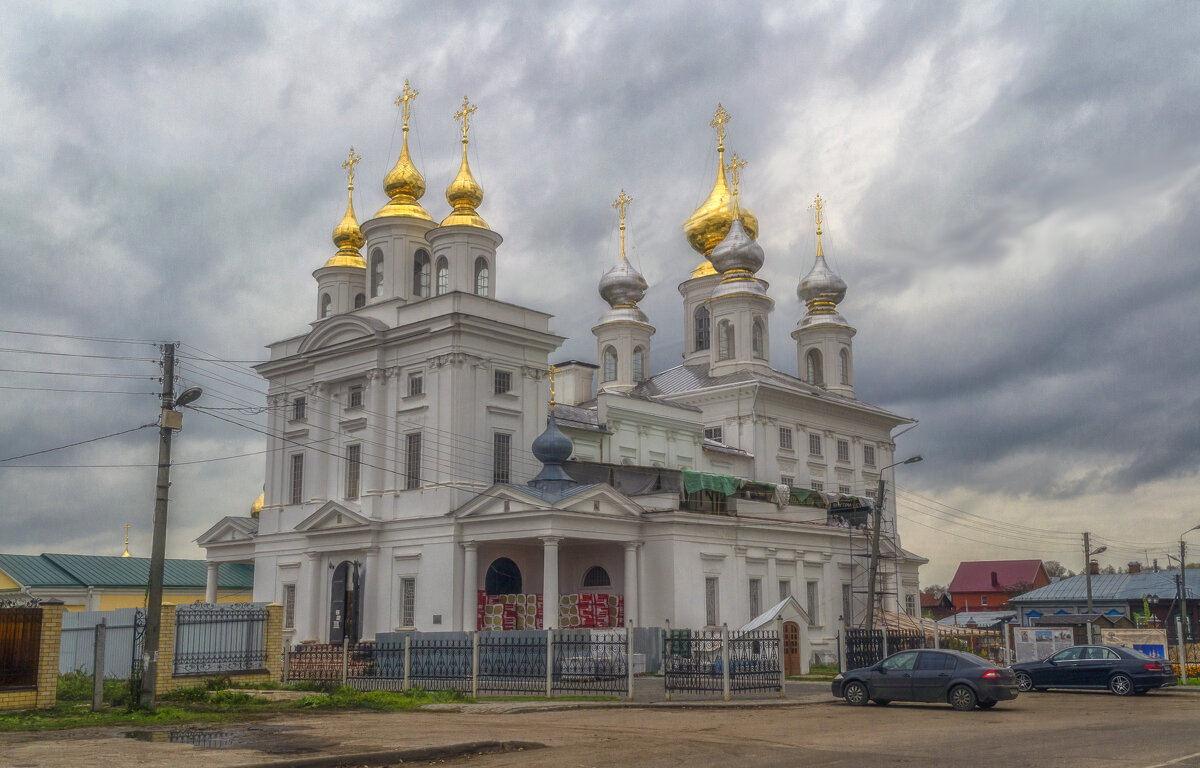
(737,251)
(622,285)
(821,283)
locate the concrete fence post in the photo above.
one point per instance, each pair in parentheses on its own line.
(474,665)
(782,658)
(98,665)
(345,659)
(549,663)
(725,662)
(629,656)
(883,634)
(407,660)
(1182,650)
(842,649)
(666,654)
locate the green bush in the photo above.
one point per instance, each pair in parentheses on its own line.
(75,686)
(388,701)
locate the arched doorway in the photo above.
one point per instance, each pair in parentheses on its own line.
(791,648)
(345,603)
(503,578)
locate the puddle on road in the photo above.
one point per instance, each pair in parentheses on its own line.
(275,740)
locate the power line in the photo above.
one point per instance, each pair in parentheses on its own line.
(78,354)
(91,391)
(134,466)
(81,442)
(92,375)
(103,339)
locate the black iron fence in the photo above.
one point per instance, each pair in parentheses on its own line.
(521,662)
(220,638)
(710,661)
(20,642)
(865,647)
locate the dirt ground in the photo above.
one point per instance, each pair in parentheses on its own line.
(1059,729)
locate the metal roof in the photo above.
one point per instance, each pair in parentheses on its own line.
(976,575)
(1114,586)
(58,570)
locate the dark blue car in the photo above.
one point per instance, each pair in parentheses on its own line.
(1121,670)
(959,679)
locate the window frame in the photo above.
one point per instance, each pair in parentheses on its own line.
(353,471)
(610,364)
(422,274)
(785,439)
(354,396)
(868,455)
(416,384)
(299,409)
(843,450)
(443,277)
(412,461)
(483,274)
(702,329)
(296,479)
(408,602)
(755,596)
(715,433)
(375,289)
(812,597)
(501,457)
(814,444)
(288,598)
(712,601)
(497,377)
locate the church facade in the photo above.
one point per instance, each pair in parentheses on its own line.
(427,470)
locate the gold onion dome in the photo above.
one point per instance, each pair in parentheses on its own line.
(709,223)
(257,506)
(346,235)
(404,185)
(464,193)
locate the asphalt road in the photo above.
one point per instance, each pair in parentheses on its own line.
(1049,729)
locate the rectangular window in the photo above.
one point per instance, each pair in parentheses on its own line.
(869,455)
(847,606)
(844,490)
(416,384)
(785,438)
(296,492)
(298,409)
(502,382)
(785,589)
(353,470)
(289,606)
(755,597)
(787,480)
(356,394)
(712,613)
(501,457)
(408,602)
(843,450)
(412,461)
(910,604)
(816,485)
(814,444)
(983,599)
(813,606)
(713,433)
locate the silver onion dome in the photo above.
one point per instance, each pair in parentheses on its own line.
(737,251)
(821,285)
(622,286)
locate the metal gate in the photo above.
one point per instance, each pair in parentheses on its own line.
(715,661)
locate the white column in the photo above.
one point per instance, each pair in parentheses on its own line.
(373,449)
(631,583)
(373,616)
(550,581)
(210,585)
(313,603)
(470,586)
(739,611)
(317,483)
(771,588)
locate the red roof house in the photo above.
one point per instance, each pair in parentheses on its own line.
(986,585)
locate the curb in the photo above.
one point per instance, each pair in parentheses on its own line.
(518,708)
(399,755)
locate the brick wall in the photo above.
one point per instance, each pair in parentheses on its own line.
(272,637)
(42,696)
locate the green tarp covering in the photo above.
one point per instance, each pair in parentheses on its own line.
(703,481)
(805,497)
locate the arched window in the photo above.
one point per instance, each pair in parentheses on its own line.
(845,360)
(482,277)
(443,277)
(610,364)
(360,300)
(421,276)
(639,364)
(702,328)
(813,365)
(725,350)
(756,338)
(376,272)
(596,577)
(503,578)
(326,305)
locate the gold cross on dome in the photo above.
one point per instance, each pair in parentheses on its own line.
(819,205)
(351,161)
(621,203)
(553,370)
(463,115)
(736,164)
(403,101)
(720,117)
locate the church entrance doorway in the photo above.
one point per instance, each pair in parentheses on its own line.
(503,577)
(345,603)
(791,648)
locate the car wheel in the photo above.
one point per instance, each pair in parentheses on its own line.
(986,704)
(1024,682)
(1120,684)
(855,693)
(962,698)
(882,702)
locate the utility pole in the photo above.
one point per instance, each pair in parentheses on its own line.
(1187,625)
(872,574)
(158,550)
(1087,569)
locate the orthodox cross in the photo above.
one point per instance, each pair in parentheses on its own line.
(819,204)
(351,161)
(736,164)
(403,101)
(127,538)
(464,115)
(720,117)
(621,203)
(553,370)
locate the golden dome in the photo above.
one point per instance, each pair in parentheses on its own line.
(709,223)
(464,193)
(348,238)
(404,184)
(257,506)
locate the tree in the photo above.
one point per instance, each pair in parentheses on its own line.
(933,589)
(1056,569)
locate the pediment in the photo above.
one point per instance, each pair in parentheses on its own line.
(340,329)
(598,499)
(332,516)
(229,530)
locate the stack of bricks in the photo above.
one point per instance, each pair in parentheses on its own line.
(42,696)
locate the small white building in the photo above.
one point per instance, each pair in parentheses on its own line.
(404,487)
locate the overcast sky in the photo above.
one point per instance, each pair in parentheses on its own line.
(1012,194)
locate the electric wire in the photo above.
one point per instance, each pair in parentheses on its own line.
(76,373)
(90,391)
(81,442)
(103,339)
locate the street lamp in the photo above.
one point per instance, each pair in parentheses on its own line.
(1187,624)
(1151,611)
(873,574)
(1087,565)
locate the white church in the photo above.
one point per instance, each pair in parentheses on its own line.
(426,470)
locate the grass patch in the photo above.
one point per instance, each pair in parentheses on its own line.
(384,701)
(77,686)
(68,715)
(553,698)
